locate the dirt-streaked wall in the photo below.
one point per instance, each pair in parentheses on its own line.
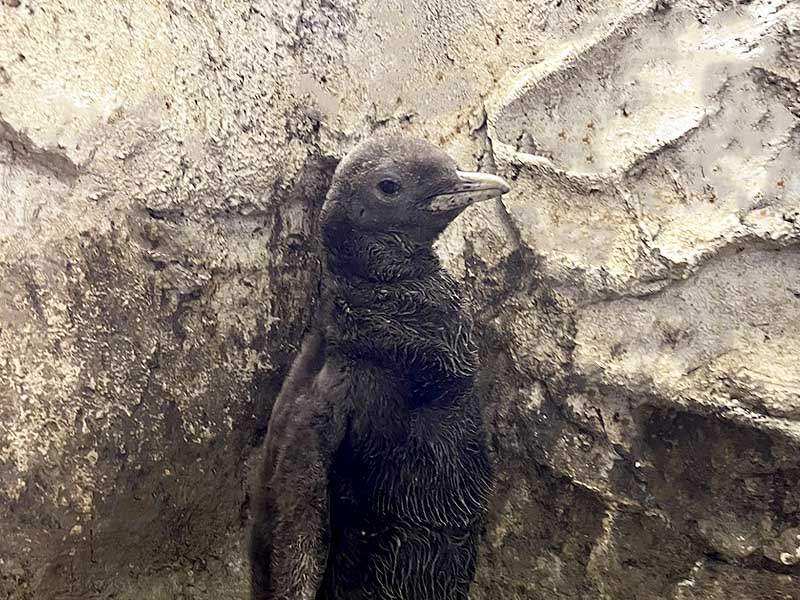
(161,168)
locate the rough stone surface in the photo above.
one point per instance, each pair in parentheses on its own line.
(161,169)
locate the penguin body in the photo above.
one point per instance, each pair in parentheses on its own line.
(376,478)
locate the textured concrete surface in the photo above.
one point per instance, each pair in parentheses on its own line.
(161,169)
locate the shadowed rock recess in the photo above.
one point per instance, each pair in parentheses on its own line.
(162,166)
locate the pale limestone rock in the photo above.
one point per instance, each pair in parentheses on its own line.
(161,170)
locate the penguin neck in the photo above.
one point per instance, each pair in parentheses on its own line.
(389,302)
(374,256)
(381,258)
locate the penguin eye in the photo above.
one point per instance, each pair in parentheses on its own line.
(389,187)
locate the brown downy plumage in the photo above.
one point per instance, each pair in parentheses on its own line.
(375,478)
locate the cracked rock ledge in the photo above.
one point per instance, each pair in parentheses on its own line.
(638,291)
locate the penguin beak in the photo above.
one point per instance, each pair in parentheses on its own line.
(469,189)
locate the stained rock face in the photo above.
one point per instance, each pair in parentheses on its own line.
(161,170)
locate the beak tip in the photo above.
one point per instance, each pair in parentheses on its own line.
(485,181)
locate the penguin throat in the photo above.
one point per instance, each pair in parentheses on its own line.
(389,303)
(381,258)
(378,256)
(414,326)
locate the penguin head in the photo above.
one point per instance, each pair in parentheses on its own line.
(405,186)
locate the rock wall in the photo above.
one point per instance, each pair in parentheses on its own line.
(161,169)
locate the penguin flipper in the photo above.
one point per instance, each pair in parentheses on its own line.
(290,533)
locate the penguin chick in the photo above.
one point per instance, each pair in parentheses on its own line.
(375,477)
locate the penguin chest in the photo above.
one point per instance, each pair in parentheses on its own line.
(426,465)
(408,493)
